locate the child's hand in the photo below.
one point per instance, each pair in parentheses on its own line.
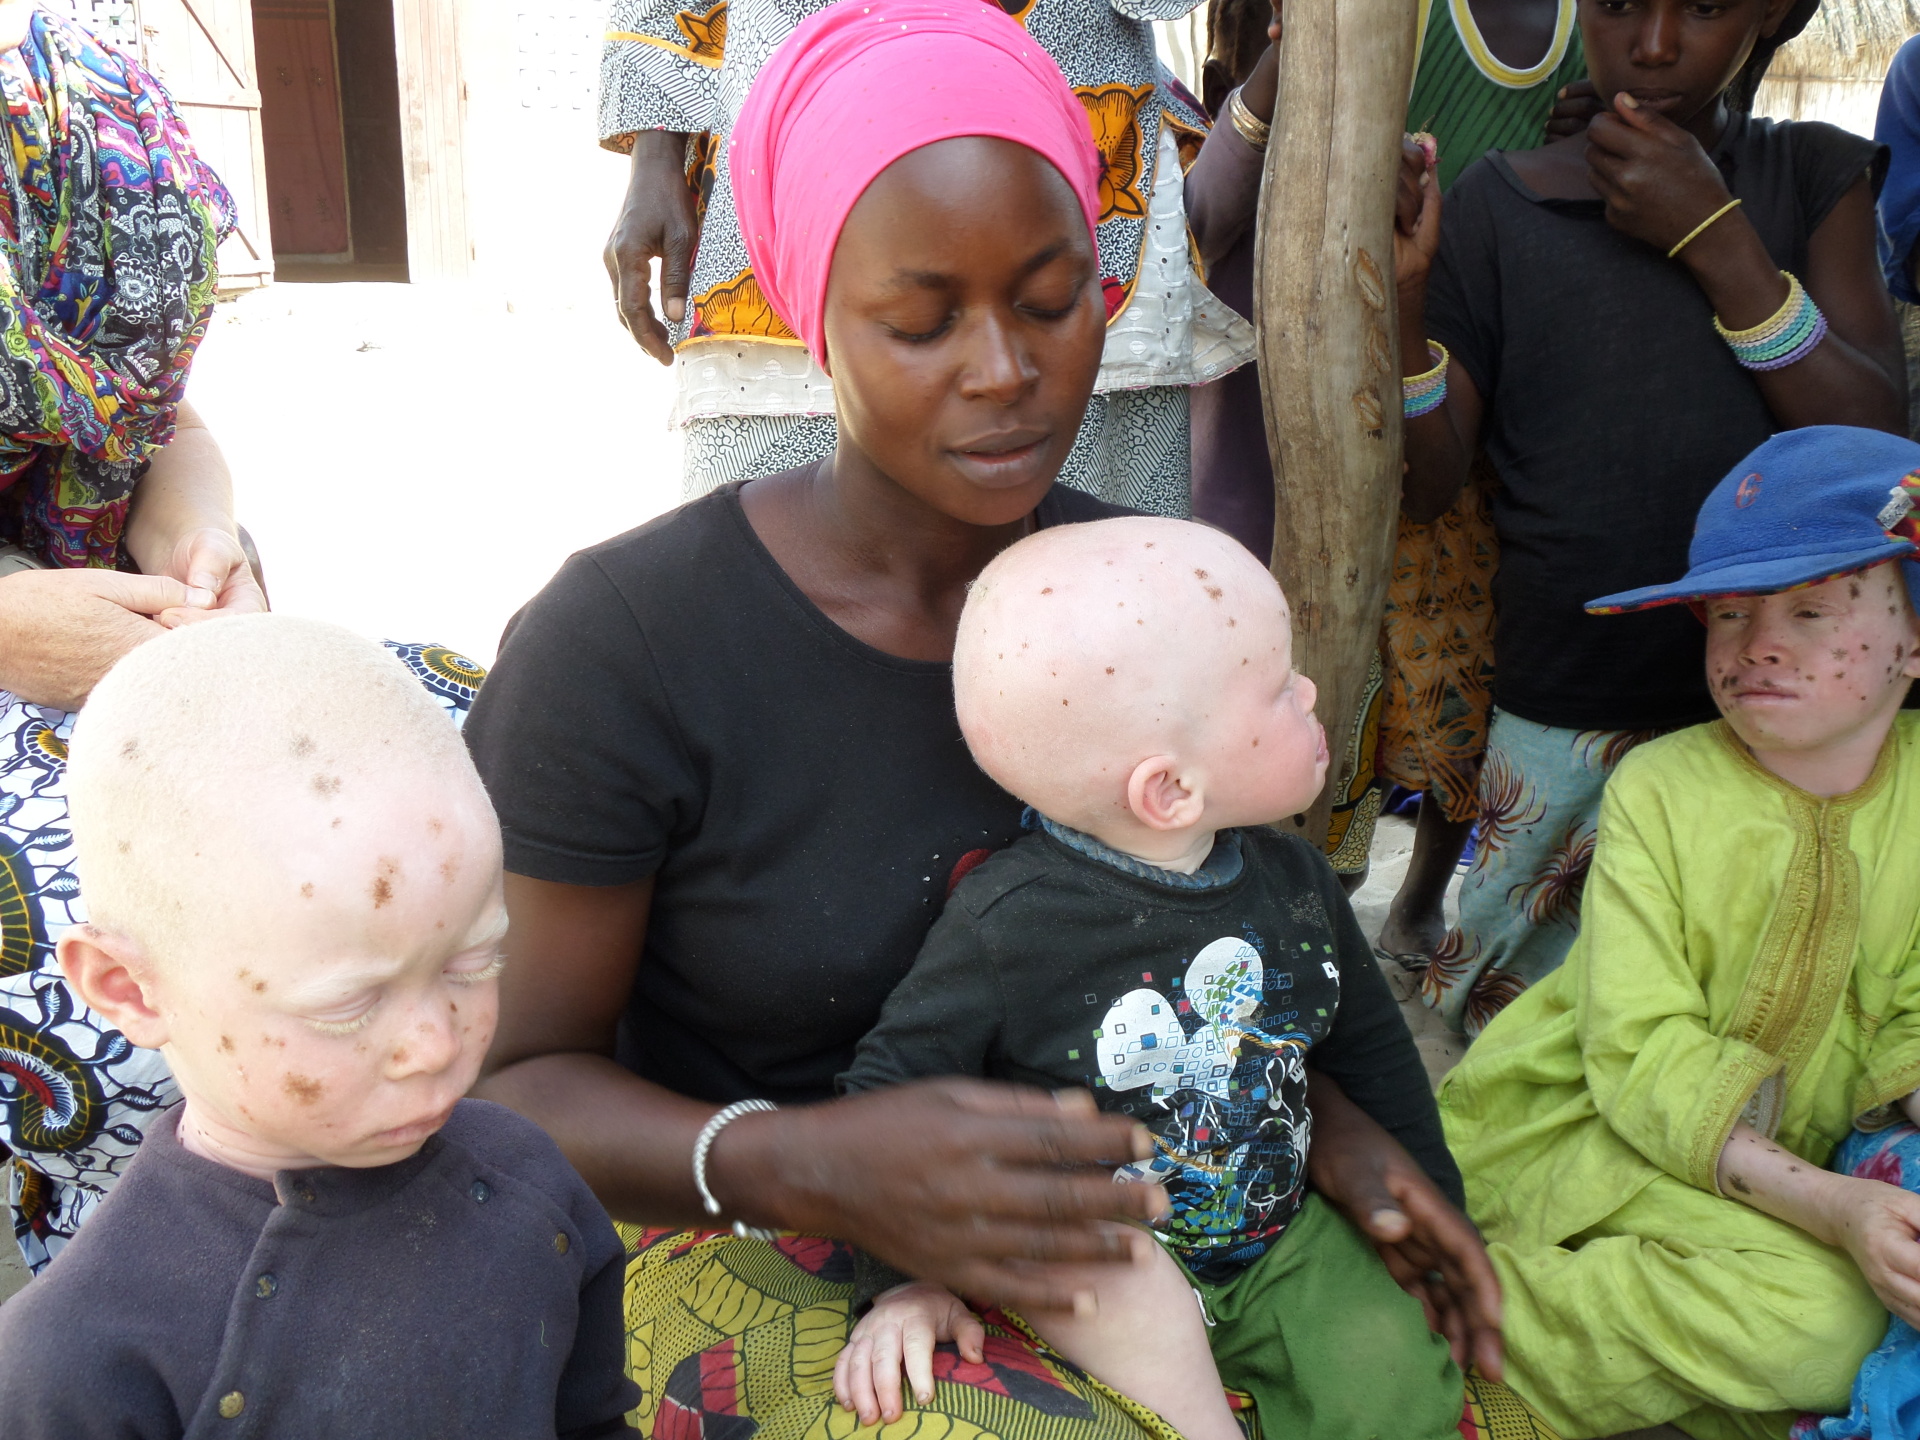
(1657,181)
(899,1332)
(1879,1225)
(1573,109)
(1416,219)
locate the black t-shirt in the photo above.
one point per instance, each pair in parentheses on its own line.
(672,705)
(1192,1009)
(1613,407)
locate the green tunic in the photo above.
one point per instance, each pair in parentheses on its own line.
(1469,101)
(1747,950)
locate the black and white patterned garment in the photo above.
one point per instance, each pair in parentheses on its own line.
(751,400)
(75,1097)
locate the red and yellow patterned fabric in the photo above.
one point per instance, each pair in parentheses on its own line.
(732,1339)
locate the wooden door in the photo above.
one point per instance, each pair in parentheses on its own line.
(203,51)
(300,126)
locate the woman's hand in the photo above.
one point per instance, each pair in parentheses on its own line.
(898,1334)
(1430,1248)
(210,562)
(657,221)
(61,630)
(978,1186)
(1656,179)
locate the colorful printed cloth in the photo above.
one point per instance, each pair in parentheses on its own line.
(730,1339)
(75,1096)
(1439,645)
(110,223)
(1886,1392)
(1520,903)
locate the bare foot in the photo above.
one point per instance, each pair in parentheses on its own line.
(1409,938)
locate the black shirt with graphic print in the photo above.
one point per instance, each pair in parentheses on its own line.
(1192,1003)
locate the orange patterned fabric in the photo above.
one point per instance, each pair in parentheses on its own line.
(1439,644)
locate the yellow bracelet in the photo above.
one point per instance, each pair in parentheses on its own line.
(1434,350)
(1694,234)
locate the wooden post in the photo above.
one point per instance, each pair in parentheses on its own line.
(1329,369)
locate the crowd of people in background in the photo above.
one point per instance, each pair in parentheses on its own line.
(799,862)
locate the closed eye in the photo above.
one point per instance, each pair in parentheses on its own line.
(495,963)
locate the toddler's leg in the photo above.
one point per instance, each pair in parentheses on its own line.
(1147,1338)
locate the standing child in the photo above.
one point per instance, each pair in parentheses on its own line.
(1617,317)
(1155,947)
(294,882)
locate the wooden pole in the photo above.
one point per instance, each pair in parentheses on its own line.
(1329,372)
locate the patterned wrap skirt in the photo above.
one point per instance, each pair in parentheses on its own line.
(733,1339)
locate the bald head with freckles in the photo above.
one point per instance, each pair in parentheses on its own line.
(1088,651)
(293,878)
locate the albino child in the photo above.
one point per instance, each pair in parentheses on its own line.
(1643,1132)
(294,878)
(1132,680)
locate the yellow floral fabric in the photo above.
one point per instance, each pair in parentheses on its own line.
(1747,950)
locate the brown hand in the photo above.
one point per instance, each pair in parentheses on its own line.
(1573,109)
(657,221)
(1430,1248)
(969,1184)
(1656,179)
(1416,228)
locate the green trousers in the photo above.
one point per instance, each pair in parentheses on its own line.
(1327,1344)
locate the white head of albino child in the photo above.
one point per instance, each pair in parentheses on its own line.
(1133,678)
(1804,568)
(293,875)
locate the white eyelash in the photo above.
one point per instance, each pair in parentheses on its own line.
(474,977)
(342,1027)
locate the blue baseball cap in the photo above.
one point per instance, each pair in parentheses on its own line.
(1805,507)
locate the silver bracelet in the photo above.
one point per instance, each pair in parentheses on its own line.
(703,1143)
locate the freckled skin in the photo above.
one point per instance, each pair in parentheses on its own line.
(303,1088)
(325,785)
(302,746)
(226,1043)
(130,750)
(306,891)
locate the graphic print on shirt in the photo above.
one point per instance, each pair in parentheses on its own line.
(1226,1061)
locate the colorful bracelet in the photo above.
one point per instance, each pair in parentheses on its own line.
(1426,392)
(1789,335)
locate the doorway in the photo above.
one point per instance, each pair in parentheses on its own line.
(330,132)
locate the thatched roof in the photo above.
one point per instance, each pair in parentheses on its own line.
(1849,39)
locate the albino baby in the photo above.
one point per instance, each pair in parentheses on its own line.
(1152,949)
(294,881)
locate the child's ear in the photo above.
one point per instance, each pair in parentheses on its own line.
(1162,797)
(114,976)
(1773,16)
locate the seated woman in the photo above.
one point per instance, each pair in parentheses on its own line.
(1643,1132)
(116,520)
(734,792)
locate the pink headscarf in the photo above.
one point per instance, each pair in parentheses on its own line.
(860,84)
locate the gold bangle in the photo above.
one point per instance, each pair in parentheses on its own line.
(1694,234)
(1436,352)
(1251,127)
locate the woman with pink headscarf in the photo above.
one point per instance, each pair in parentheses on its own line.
(734,793)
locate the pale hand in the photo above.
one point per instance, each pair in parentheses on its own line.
(1879,1226)
(898,1335)
(61,630)
(211,564)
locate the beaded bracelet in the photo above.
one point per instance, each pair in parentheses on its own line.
(1790,334)
(1426,392)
